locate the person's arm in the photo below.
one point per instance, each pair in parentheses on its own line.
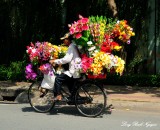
(67,58)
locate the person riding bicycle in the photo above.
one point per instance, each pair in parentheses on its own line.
(69,75)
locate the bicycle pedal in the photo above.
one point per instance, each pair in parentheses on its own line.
(62,100)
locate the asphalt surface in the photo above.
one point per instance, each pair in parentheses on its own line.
(23,117)
(118,97)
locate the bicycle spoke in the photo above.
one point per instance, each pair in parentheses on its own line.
(93,99)
(40,104)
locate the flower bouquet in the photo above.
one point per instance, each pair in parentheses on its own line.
(98,38)
(39,55)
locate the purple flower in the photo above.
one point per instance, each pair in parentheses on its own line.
(30,74)
(29,68)
(46,69)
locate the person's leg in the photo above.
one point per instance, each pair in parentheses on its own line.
(59,80)
(70,84)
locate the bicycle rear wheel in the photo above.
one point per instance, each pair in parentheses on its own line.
(90,99)
(40,104)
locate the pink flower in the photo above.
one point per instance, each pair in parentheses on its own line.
(85,20)
(79,26)
(85,27)
(72,30)
(46,68)
(77,29)
(78,35)
(86,63)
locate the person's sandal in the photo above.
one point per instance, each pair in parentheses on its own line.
(57,98)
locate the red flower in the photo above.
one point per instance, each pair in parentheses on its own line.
(107,37)
(83,55)
(124,36)
(105,47)
(113,44)
(116,33)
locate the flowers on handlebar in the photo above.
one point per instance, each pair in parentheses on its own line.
(39,55)
(46,69)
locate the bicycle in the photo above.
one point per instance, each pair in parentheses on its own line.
(89,97)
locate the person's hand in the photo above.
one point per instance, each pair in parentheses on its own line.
(60,65)
(52,62)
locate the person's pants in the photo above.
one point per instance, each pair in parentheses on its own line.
(59,80)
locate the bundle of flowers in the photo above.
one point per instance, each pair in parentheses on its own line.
(99,37)
(39,55)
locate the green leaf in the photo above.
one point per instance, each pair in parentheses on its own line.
(84,38)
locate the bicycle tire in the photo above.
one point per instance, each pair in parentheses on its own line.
(40,104)
(90,99)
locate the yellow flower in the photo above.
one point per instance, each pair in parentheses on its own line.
(117,48)
(120,65)
(57,50)
(133,34)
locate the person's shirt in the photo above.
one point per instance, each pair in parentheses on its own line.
(69,58)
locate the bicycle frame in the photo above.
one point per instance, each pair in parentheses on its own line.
(88,96)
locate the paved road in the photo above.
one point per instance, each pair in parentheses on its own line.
(22,117)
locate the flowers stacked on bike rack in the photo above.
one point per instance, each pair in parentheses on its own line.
(39,55)
(99,39)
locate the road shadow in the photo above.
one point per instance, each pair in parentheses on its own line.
(65,109)
(28,109)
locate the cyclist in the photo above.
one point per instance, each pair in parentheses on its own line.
(70,74)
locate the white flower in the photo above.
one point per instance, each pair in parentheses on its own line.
(79,47)
(131,29)
(89,43)
(94,53)
(92,48)
(34,50)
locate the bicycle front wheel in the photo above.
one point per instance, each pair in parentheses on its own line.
(40,104)
(90,99)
